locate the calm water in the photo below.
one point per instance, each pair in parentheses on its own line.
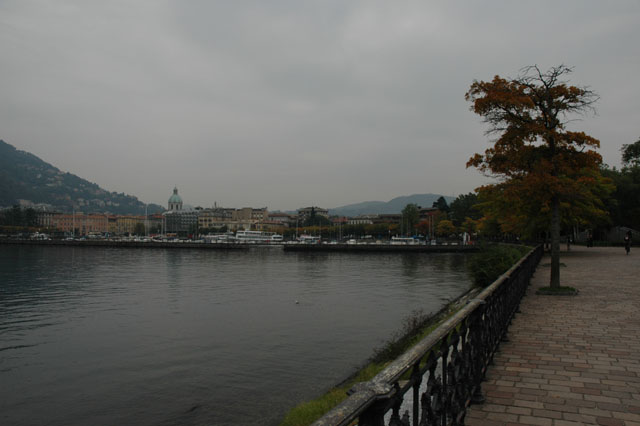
(103,336)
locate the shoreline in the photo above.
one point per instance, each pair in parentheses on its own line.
(386,248)
(123,244)
(353,248)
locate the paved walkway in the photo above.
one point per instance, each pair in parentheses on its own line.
(571,360)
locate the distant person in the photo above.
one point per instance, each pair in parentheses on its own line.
(589,239)
(627,242)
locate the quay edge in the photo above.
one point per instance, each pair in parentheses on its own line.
(380,248)
(125,244)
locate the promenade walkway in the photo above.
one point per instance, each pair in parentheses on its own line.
(571,360)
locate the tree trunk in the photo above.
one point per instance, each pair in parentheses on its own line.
(555,243)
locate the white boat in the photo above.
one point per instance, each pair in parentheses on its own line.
(220,238)
(403,241)
(308,239)
(258,237)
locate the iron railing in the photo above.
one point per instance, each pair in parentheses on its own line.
(443,372)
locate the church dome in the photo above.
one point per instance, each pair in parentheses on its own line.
(175,202)
(175,198)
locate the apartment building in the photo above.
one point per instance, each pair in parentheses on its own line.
(80,223)
(306,212)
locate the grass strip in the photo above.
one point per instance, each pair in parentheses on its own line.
(415,328)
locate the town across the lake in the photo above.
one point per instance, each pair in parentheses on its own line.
(249,224)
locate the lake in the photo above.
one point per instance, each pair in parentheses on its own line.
(104,336)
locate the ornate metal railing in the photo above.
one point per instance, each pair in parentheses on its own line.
(444,371)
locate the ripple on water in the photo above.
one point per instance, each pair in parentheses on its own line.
(191,337)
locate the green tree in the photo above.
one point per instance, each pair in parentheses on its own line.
(488,226)
(441,204)
(624,204)
(14,216)
(445,228)
(470,226)
(424,227)
(541,163)
(410,217)
(30,217)
(464,207)
(631,154)
(139,229)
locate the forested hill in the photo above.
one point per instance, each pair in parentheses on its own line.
(393,206)
(23,176)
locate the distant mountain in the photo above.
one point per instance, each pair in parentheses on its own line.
(393,206)
(23,176)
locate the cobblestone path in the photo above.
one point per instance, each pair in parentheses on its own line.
(571,360)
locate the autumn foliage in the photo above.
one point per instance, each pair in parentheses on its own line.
(545,170)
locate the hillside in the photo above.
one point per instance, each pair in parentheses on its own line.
(23,176)
(393,206)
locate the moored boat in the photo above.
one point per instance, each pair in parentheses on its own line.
(261,237)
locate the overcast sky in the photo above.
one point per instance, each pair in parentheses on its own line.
(293,103)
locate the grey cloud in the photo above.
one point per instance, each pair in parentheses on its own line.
(289,103)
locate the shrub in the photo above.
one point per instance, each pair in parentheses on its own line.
(492,261)
(400,341)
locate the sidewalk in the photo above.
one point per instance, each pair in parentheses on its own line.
(571,360)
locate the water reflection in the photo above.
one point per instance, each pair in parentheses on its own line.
(410,264)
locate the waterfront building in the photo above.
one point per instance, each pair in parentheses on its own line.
(81,224)
(175,201)
(181,222)
(216,217)
(363,219)
(427,212)
(339,220)
(126,224)
(45,219)
(306,212)
(284,219)
(269,226)
(112,224)
(250,214)
(233,219)
(394,218)
(154,223)
(178,220)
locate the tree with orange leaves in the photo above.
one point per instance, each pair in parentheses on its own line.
(543,167)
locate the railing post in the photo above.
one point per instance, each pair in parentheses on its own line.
(374,414)
(416,378)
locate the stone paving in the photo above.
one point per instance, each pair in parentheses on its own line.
(571,360)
